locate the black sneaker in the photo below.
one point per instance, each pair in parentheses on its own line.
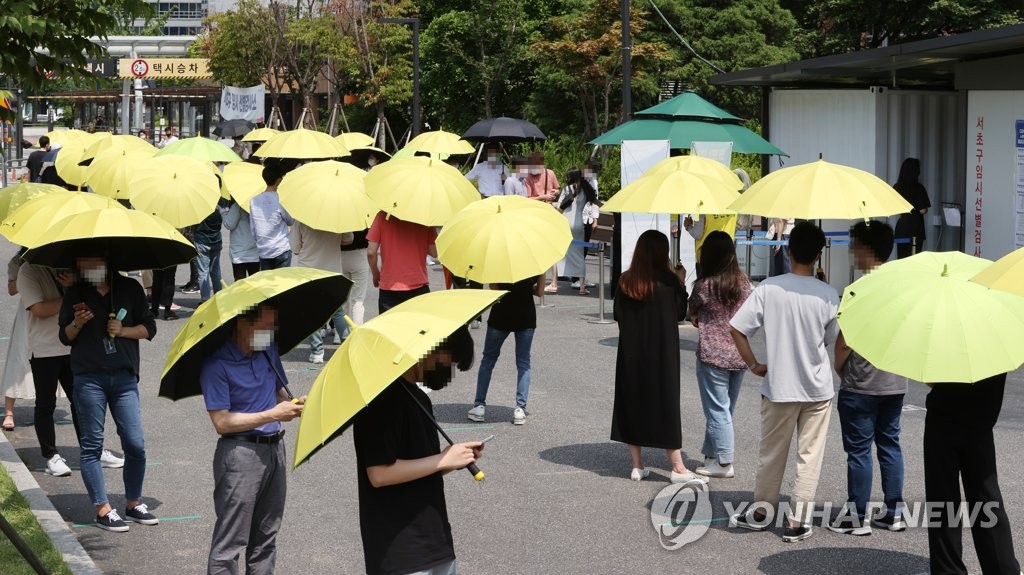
(112,522)
(170,316)
(794,534)
(140,514)
(850,525)
(190,289)
(890,523)
(749,521)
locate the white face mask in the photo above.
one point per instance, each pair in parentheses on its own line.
(95,276)
(492,160)
(261,339)
(522,171)
(371,161)
(536,171)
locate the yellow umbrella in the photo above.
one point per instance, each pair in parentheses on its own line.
(181,190)
(125,142)
(35,218)
(260,135)
(699,166)
(71,155)
(134,240)
(15,195)
(65,136)
(305,298)
(921,318)
(244,181)
(503,239)
(110,172)
(201,148)
(328,196)
(674,192)
(302,144)
(354,140)
(440,142)
(821,190)
(1006,274)
(378,353)
(420,190)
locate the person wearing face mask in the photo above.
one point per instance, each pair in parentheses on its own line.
(491,174)
(403,516)
(542,185)
(102,318)
(514,185)
(244,389)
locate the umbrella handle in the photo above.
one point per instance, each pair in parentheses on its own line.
(471,468)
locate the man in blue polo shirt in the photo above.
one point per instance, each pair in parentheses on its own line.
(244,388)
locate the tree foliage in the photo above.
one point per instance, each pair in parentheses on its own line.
(238,44)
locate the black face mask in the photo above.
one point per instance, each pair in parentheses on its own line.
(437,378)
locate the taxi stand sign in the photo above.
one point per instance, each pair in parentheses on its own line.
(153,68)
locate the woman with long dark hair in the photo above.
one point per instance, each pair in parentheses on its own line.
(649,304)
(717,294)
(578,202)
(911,224)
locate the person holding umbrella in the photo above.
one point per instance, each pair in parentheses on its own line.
(105,364)
(269,222)
(490,174)
(247,399)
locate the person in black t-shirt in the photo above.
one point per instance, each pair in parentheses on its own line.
(403,516)
(35,159)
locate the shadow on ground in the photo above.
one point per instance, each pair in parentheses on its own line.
(848,560)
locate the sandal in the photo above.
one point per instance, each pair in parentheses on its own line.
(584,291)
(550,289)
(8,426)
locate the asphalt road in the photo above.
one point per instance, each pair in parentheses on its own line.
(557,498)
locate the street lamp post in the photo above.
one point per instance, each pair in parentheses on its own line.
(415,23)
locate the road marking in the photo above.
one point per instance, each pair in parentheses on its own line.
(162,519)
(909,407)
(572,471)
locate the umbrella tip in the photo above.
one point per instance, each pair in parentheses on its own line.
(945,270)
(821,156)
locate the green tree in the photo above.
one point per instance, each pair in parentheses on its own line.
(238,44)
(311,41)
(64,29)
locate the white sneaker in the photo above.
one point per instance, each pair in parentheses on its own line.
(477,413)
(712,468)
(638,474)
(575,285)
(688,477)
(337,337)
(316,357)
(108,459)
(57,466)
(519,416)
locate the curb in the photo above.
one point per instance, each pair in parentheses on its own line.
(49,519)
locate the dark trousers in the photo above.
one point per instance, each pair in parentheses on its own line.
(244,270)
(280,261)
(163,289)
(959,445)
(388,299)
(193,273)
(47,372)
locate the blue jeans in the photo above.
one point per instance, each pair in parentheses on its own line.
(780,263)
(316,340)
(94,392)
(492,349)
(208,265)
(866,419)
(282,261)
(719,390)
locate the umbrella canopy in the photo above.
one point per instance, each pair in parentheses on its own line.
(244,181)
(682,133)
(689,105)
(305,298)
(233,128)
(124,142)
(135,240)
(1006,274)
(200,148)
(71,156)
(328,196)
(354,140)
(35,218)
(16,195)
(503,239)
(439,142)
(181,190)
(673,193)
(419,190)
(65,136)
(376,354)
(302,144)
(503,130)
(699,166)
(921,318)
(260,135)
(821,190)
(110,173)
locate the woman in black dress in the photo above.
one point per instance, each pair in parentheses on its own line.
(911,224)
(649,304)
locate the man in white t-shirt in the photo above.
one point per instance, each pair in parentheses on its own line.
(798,314)
(490,174)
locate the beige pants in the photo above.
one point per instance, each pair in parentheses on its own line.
(778,420)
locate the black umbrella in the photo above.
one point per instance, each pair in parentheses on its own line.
(233,128)
(503,130)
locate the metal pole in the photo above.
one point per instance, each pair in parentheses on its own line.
(22,547)
(750,249)
(126,105)
(627,72)
(600,287)
(19,123)
(417,121)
